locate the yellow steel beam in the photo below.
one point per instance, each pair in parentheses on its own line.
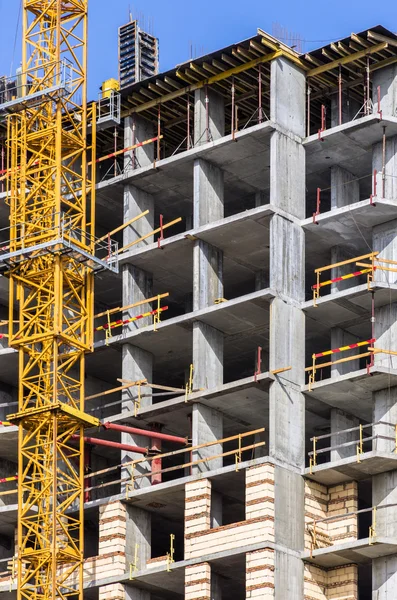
(373,35)
(346,59)
(200,84)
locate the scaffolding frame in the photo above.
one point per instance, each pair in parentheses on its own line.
(51,282)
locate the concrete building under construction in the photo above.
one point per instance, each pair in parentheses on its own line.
(245,359)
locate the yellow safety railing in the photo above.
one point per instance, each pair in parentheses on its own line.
(312,370)
(237,453)
(154,313)
(129,481)
(373,263)
(369,270)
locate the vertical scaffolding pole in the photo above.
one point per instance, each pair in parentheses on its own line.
(308,108)
(188,123)
(159,133)
(233,104)
(207,114)
(260,95)
(384,163)
(340,94)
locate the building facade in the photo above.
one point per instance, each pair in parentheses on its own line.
(245,364)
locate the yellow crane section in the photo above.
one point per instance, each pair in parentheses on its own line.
(50,259)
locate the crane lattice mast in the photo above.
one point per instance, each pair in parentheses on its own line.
(50,260)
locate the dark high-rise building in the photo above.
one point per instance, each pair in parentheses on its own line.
(138,54)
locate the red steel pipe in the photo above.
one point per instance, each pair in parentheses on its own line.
(154,435)
(109,444)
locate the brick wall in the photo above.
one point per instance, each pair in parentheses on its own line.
(322,502)
(112,537)
(258,527)
(111,555)
(198,582)
(115,591)
(260,574)
(259,491)
(343,499)
(316,508)
(197,506)
(339,583)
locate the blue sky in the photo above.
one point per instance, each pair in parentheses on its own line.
(207,26)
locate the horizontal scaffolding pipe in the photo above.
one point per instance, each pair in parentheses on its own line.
(98,442)
(157,435)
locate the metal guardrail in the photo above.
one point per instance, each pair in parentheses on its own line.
(18,242)
(131,465)
(28,88)
(359,443)
(311,527)
(316,366)
(109,107)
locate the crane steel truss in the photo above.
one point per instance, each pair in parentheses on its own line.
(50,265)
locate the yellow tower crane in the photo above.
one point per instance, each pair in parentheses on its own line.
(50,258)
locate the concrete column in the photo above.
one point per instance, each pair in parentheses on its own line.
(287,157)
(344,190)
(207,424)
(216,590)
(137,286)
(261,198)
(384,578)
(385,415)
(287,96)
(386,78)
(339,422)
(136,130)
(216,509)
(384,241)
(208,193)
(386,334)
(137,364)
(261,280)
(133,593)
(207,260)
(287,324)
(340,337)
(384,485)
(137,201)
(384,493)
(387,186)
(138,534)
(340,254)
(207,356)
(209,116)
(350,108)
(207,275)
